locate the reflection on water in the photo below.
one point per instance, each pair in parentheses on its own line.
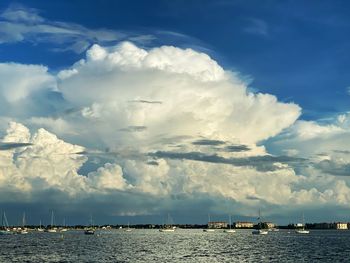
(180,246)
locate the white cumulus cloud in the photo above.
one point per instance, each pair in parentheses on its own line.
(19,80)
(196,96)
(164,124)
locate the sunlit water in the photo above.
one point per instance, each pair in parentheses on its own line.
(180,246)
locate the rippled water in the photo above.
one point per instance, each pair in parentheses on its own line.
(180,246)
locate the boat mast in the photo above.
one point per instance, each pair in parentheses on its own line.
(5,221)
(24,219)
(52,219)
(260,220)
(91,222)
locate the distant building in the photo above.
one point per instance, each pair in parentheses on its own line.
(217,224)
(244,225)
(340,225)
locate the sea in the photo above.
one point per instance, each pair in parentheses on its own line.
(183,245)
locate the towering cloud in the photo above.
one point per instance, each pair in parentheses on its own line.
(158,126)
(197,97)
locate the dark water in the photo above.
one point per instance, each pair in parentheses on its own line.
(180,246)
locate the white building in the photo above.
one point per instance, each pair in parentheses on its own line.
(244,225)
(217,224)
(340,225)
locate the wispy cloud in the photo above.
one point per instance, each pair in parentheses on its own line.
(227,148)
(134,129)
(21,24)
(146,101)
(208,142)
(237,148)
(17,13)
(256,26)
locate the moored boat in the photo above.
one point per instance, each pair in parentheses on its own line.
(168,227)
(52,229)
(23,230)
(302,229)
(208,229)
(5,229)
(230,230)
(259,232)
(90,230)
(261,229)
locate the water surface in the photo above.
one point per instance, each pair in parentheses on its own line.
(182,245)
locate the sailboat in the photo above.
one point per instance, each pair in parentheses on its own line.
(40,229)
(128,229)
(230,230)
(5,229)
(23,230)
(168,226)
(90,230)
(64,228)
(208,229)
(302,230)
(52,229)
(260,230)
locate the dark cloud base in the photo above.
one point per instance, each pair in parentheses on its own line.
(261,163)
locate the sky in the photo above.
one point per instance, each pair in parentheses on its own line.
(130,110)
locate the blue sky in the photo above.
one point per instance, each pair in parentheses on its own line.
(133,108)
(296,50)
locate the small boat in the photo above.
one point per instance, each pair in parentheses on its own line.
(90,230)
(208,229)
(64,227)
(168,226)
(302,230)
(167,230)
(128,229)
(40,229)
(230,230)
(23,230)
(52,229)
(5,229)
(260,230)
